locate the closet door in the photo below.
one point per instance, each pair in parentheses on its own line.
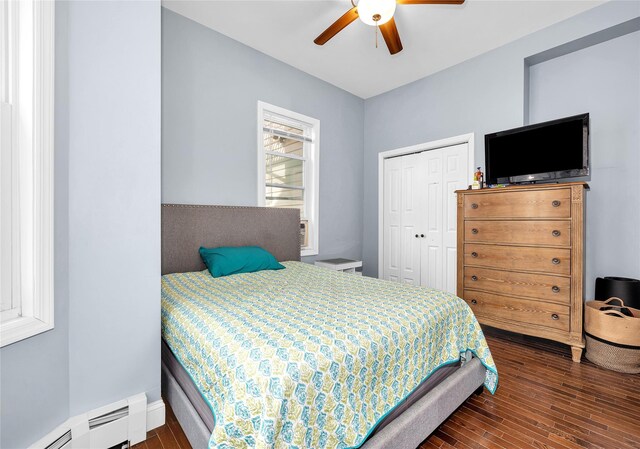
(431,246)
(412,217)
(403,218)
(392,219)
(446,170)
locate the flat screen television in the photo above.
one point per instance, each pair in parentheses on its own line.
(542,152)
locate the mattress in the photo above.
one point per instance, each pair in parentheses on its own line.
(310,357)
(205,413)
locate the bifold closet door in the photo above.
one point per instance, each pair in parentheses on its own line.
(446,170)
(392,219)
(403,218)
(420,216)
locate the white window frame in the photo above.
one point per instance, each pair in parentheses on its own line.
(311,171)
(28,86)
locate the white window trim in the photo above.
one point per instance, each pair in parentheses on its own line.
(312,171)
(36,141)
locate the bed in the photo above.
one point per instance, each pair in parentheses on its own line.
(305,356)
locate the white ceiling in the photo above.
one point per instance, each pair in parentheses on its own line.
(434,36)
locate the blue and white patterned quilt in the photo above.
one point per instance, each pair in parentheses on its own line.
(307,357)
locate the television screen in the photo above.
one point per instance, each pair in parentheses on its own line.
(544,151)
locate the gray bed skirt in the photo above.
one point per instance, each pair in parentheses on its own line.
(406,431)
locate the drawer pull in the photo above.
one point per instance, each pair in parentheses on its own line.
(474,205)
(555,261)
(417,235)
(554,316)
(474,231)
(474,278)
(555,203)
(422,235)
(474,254)
(555,289)
(473,301)
(555,233)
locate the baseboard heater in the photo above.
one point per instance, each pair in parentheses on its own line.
(102,428)
(61,442)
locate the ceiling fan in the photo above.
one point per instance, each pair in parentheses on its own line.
(378,13)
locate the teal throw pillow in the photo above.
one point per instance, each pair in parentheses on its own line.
(227,260)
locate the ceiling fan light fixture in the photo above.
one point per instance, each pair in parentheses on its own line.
(370,10)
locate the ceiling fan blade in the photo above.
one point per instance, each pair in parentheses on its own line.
(337,26)
(430,2)
(391,37)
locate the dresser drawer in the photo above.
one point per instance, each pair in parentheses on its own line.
(538,232)
(499,307)
(550,203)
(536,286)
(545,260)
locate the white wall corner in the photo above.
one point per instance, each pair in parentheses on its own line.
(137,418)
(79,426)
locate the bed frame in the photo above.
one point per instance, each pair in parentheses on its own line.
(187,227)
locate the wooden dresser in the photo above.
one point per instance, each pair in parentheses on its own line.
(520,259)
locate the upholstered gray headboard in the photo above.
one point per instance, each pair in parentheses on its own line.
(185,228)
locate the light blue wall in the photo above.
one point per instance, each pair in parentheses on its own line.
(482,95)
(114,201)
(34,373)
(106,340)
(210,88)
(603,80)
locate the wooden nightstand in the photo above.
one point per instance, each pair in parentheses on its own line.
(345,265)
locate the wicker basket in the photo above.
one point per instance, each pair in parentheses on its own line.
(613,339)
(623,359)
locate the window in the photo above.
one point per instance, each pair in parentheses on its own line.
(288,145)
(26,168)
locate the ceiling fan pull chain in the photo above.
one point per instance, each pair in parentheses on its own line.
(377,34)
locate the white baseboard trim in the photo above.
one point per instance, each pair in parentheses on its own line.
(155,414)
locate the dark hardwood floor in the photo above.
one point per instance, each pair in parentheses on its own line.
(544,401)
